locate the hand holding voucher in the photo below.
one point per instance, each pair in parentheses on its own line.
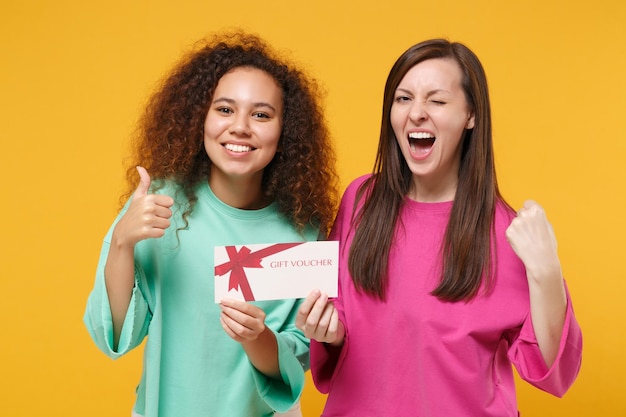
(318,319)
(242,321)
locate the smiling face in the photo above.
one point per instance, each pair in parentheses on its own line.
(242,127)
(429,115)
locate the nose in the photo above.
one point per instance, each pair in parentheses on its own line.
(240,125)
(418,113)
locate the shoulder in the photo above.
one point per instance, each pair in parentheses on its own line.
(504,215)
(354,187)
(348,206)
(165,187)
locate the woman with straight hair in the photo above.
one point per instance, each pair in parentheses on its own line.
(442,285)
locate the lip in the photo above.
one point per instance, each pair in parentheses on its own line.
(422,144)
(238,148)
(430,132)
(420,130)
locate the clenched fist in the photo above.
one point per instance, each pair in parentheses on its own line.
(533,240)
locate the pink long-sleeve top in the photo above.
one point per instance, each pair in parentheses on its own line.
(414,355)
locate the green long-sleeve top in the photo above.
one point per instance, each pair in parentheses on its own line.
(191,366)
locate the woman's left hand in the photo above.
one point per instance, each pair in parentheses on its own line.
(533,240)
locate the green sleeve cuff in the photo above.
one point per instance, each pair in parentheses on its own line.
(281,395)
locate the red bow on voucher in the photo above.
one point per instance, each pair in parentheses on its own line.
(245,258)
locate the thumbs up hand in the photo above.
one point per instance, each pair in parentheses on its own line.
(147,215)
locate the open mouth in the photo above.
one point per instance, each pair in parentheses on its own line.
(238,148)
(421,142)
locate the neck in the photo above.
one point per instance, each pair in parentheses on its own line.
(438,191)
(239,193)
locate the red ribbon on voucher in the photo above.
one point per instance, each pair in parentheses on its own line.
(245,258)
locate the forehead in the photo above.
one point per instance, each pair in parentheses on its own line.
(440,73)
(249,82)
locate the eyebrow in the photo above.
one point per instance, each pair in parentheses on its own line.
(233,102)
(430,93)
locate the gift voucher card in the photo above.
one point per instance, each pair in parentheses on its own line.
(275,271)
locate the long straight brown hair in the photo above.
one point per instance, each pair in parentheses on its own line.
(466,249)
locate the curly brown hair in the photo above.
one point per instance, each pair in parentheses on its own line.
(169,143)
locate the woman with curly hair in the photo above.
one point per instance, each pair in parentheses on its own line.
(232,149)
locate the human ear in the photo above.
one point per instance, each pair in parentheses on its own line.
(470,121)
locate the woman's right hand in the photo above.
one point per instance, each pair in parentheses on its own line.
(146,217)
(318,319)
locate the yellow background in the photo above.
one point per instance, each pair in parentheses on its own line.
(75,74)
